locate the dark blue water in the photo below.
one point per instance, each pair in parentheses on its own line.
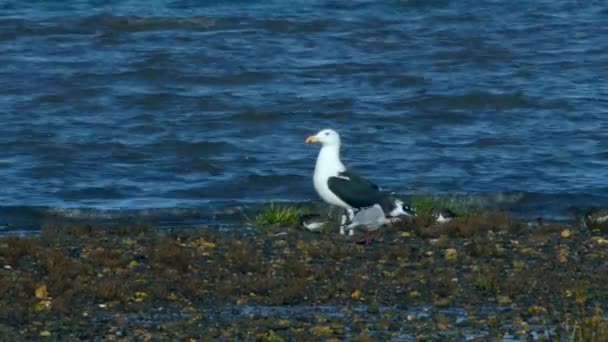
(206,104)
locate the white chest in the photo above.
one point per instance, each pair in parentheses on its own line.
(328,165)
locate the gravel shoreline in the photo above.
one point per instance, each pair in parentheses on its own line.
(482,277)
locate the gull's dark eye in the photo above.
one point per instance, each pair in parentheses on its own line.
(326,133)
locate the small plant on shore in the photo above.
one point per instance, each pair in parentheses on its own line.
(424,204)
(277,215)
(589,324)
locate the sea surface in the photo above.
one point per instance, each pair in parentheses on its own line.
(190,110)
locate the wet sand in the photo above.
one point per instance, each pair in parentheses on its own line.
(481,277)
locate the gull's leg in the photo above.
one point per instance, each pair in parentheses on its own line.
(351,214)
(348,217)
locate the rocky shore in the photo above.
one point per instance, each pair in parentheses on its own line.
(479,277)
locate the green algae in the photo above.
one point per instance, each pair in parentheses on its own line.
(499,276)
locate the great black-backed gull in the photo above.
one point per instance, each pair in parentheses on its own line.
(338,186)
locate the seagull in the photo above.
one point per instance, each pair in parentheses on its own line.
(336,185)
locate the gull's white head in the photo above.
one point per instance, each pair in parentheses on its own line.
(326,137)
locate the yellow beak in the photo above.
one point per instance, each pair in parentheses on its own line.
(311,139)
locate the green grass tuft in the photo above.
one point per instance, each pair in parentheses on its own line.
(278,215)
(425,203)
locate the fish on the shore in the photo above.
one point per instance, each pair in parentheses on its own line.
(313,222)
(442,215)
(596,219)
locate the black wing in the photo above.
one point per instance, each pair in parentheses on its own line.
(355,190)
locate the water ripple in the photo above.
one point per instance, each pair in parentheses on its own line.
(183,104)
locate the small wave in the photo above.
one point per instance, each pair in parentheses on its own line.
(103,24)
(12,29)
(273,179)
(237,79)
(257,116)
(15,219)
(99,192)
(423,4)
(257,187)
(481,56)
(290,26)
(346,68)
(189,149)
(141,70)
(49,98)
(409,80)
(137,23)
(483,100)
